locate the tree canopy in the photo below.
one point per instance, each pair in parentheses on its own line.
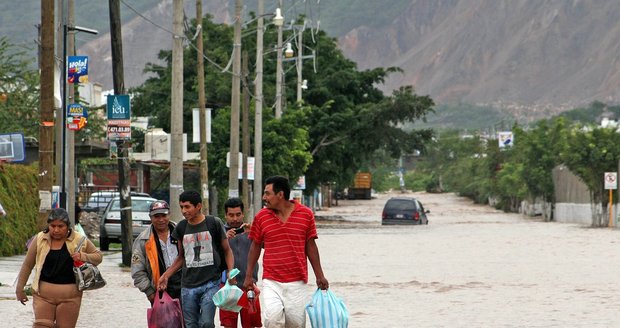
(19,91)
(340,123)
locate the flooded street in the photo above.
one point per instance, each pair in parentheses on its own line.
(471,266)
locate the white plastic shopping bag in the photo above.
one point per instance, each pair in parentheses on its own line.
(227,297)
(327,311)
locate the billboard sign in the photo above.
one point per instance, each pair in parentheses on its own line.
(76,117)
(118,107)
(77,71)
(119,117)
(119,130)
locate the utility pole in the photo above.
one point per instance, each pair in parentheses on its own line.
(233,173)
(245,131)
(118,77)
(70,135)
(204,164)
(299,63)
(46,103)
(258,113)
(279,65)
(176,156)
(59,126)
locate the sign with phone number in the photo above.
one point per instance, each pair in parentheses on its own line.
(119,130)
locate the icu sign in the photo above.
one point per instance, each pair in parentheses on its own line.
(118,107)
(611,180)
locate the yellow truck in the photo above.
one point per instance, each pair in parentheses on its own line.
(362,185)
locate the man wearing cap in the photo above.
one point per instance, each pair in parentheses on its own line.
(154,250)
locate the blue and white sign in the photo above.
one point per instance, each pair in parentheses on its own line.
(118,107)
(506,139)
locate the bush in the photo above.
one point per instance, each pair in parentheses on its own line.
(418,180)
(20,198)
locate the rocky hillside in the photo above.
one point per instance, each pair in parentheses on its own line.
(142,41)
(555,52)
(526,55)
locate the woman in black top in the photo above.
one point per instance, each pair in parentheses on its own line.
(56,299)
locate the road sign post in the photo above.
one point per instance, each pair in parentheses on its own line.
(611,183)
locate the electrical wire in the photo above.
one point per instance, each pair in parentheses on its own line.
(186,28)
(148,19)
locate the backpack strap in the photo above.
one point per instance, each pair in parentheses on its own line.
(181,226)
(213,228)
(216,233)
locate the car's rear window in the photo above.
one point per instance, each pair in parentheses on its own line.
(97,199)
(401,204)
(138,205)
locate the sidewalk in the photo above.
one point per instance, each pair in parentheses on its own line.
(118,304)
(9,268)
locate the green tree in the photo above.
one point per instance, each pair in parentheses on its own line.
(344,117)
(591,152)
(19,91)
(153,97)
(285,146)
(538,151)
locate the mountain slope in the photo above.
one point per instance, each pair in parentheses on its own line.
(528,52)
(524,55)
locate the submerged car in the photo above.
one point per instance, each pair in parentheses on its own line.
(110,225)
(404,210)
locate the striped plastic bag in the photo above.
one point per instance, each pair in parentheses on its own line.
(327,311)
(227,297)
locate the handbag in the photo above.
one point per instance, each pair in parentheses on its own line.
(165,313)
(87,275)
(325,310)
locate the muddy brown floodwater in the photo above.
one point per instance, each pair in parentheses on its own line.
(471,266)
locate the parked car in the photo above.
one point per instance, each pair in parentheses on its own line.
(99,200)
(404,210)
(110,224)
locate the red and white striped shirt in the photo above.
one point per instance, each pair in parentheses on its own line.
(284,259)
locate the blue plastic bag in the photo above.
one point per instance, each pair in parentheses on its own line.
(327,311)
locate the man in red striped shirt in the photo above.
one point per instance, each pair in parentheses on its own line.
(287,232)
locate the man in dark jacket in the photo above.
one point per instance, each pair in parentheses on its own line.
(154,250)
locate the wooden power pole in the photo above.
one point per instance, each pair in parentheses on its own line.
(258,114)
(233,172)
(204,164)
(46,103)
(245,132)
(123,148)
(70,186)
(176,156)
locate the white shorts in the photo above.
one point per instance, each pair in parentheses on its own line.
(284,304)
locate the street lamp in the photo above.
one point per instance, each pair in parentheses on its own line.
(278,20)
(64,168)
(288,53)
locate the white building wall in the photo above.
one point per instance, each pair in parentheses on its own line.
(580,214)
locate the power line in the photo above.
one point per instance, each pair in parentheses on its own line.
(148,19)
(186,28)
